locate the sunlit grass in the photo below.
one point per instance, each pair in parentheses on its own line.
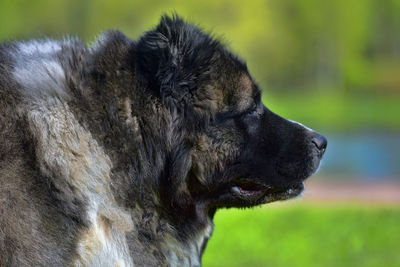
(305,235)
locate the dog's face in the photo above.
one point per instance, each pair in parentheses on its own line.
(238,152)
(247,155)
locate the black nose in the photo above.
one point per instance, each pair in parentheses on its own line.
(320,142)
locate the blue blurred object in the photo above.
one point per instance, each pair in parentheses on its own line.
(371,156)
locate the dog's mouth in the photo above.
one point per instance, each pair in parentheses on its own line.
(252,192)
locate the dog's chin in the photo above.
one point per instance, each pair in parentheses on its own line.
(251,194)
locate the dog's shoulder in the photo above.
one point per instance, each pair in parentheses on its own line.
(54,148)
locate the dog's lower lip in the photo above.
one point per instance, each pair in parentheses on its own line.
(247,194)
(258,192)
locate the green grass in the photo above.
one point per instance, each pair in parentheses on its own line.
(334,111)
(305,235)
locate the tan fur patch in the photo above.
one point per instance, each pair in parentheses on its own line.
(130,121)
(245,94)
(246,84)
(216,155)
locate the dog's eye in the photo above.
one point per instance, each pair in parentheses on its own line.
(252,113)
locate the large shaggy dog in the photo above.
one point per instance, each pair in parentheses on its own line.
(121,153)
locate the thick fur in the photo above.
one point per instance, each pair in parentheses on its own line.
(120,154)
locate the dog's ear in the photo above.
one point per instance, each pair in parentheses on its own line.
(173,58)
(161,58)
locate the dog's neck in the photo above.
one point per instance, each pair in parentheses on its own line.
(159,239)
(190,252)
(174,235)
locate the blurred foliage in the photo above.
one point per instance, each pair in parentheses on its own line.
(335,63)
(305,235)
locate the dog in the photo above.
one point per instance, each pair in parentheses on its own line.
(121,153)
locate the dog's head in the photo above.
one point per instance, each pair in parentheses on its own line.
(227,149)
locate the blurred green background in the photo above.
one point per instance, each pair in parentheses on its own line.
(333,65)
